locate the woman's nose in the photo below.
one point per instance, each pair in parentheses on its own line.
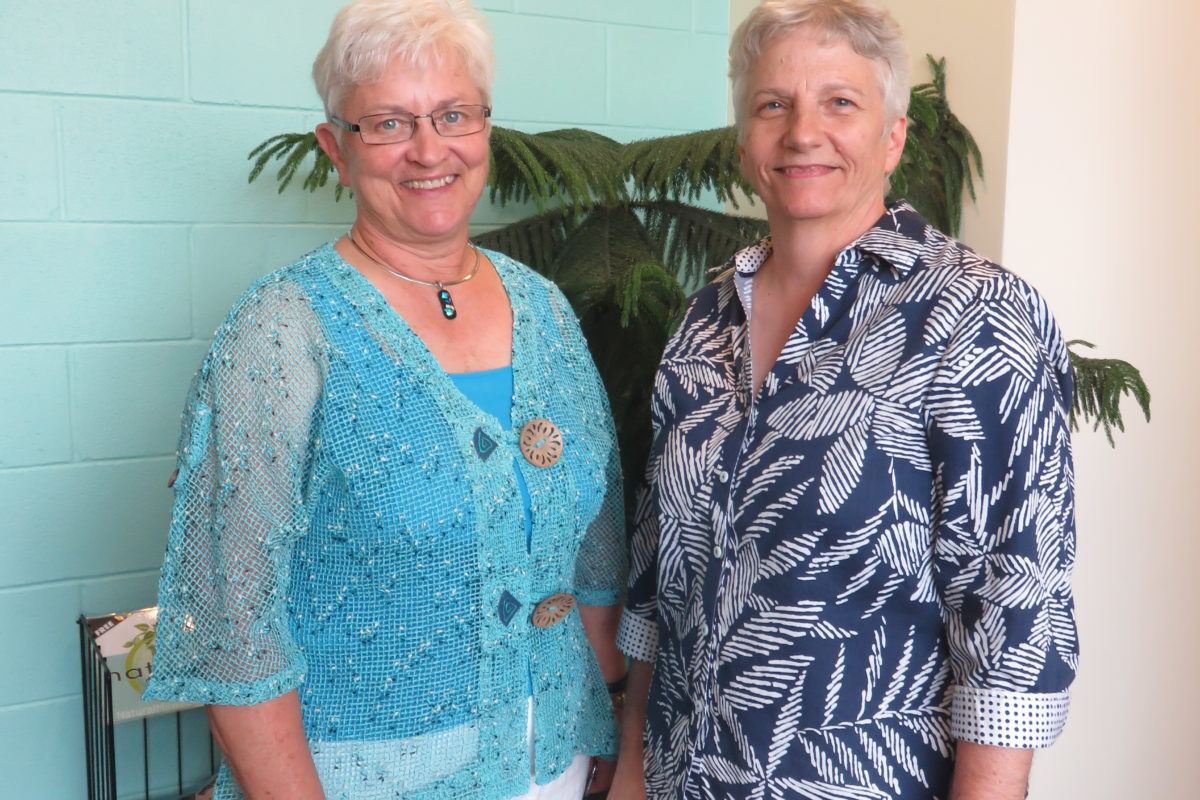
(426,145)
(803,128)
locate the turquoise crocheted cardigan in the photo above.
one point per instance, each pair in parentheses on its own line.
(347,524)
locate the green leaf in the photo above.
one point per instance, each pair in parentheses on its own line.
(694,240)
(536,241)
(572,167)
(1100,385)
(294,149)
(941,158)
(684,167)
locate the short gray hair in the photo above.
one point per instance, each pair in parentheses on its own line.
(367,35)
(870,31)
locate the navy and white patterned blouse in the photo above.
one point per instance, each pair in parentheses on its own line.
(870,559)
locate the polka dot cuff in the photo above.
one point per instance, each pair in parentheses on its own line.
(1007,719)
(637,637)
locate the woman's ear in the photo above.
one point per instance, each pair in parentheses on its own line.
(896,136)
(327,138)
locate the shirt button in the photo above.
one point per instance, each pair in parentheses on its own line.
(716,551)
(722,475)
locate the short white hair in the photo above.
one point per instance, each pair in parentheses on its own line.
(870,31)
(367,35)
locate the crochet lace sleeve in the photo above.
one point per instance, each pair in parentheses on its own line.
(601,565)
(602,561)
(223,631)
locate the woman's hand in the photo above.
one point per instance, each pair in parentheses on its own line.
(600,627)
(629,781)
(601,776)
(267,749)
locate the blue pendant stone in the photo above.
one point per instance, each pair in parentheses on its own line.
(448,309)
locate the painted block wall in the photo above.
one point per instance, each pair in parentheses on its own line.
(127,228)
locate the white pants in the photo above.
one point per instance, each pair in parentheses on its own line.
(567,786)
(431,756)
(570,785)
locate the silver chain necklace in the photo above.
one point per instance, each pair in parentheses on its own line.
(443,294)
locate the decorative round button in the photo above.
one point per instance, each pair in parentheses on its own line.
(541,443)
(553,610)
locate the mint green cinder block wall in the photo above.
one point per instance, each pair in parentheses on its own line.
(127,229)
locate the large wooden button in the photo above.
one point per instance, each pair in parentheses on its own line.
(541,443)
(553,610)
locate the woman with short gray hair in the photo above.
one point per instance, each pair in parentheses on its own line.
(870,33)
(850,577)
(397,545)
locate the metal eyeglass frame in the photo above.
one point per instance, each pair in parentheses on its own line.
(355,127)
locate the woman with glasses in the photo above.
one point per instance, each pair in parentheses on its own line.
(397,543)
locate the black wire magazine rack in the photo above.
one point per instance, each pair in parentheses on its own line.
(157,756)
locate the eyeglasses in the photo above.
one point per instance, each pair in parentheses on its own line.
(397,126)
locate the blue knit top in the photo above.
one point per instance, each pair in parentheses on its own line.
(492,391)
(349,525)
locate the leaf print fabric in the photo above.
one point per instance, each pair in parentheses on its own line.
(871,559)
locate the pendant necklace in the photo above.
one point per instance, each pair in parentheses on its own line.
(443,293)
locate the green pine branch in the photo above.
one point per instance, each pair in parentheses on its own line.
(941,158)
(535,241)
(596,257)
(1100,385)
(294,149)
(570,167)
(686,166)
(695,239)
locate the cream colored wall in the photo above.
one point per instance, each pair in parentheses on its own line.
(1102,177)
(976,40)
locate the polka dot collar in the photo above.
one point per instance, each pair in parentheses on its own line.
(893,242)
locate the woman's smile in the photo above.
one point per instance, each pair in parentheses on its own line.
(429,183)
(805,170)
